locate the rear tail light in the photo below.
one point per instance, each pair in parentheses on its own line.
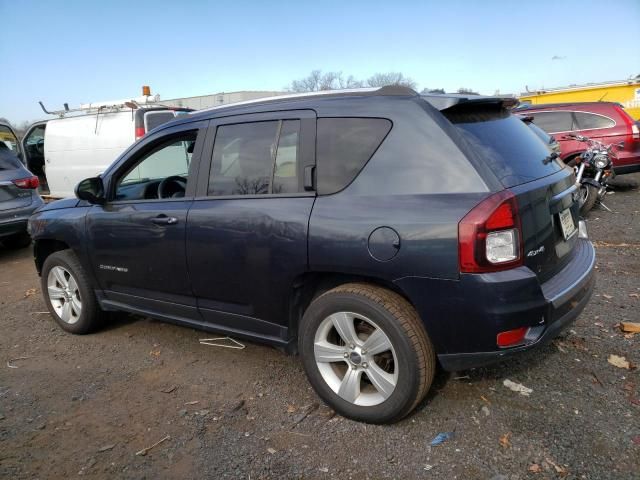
(29,182)
(635,131)
(139,132)
(490,235)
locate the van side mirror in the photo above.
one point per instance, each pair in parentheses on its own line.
(91,190)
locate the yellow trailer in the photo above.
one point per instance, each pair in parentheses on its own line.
(625,92)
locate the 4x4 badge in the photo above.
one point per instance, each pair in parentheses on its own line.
(533,253)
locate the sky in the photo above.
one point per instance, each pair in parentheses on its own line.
(85,51)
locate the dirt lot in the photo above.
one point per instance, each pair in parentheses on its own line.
(86,405)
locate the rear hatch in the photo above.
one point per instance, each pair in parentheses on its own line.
(521,162)
(10,195)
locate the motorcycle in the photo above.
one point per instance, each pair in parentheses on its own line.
(594,170)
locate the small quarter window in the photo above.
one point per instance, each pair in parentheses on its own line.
(345,145)
(588,121)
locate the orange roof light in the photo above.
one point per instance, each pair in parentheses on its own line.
(146,91)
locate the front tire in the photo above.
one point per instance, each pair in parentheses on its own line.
(68,294)
(366,353)
(588,197)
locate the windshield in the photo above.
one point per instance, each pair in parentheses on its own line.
(510,148)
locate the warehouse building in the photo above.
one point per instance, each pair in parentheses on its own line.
(216,99)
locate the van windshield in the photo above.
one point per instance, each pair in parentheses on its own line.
(510,148)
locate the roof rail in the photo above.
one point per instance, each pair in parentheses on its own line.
(387,90)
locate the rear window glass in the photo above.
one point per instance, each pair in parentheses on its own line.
(510,148)
(345,145)
(553,122)
(542,135)
(8,139)
(154,119)
(8,160)
(587,121)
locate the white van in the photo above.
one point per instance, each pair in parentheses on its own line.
(75,147)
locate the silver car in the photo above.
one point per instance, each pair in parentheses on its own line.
(19,196)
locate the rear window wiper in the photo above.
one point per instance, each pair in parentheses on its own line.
(550,158)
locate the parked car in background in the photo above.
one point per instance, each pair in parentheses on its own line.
(18,192)
(33,148)
(606,122)
(374,231)
(85,141)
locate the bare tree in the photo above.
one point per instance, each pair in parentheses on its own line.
(390,78)
(467,91)
(432,90)
(317,81)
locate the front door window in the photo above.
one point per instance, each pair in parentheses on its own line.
(161,172)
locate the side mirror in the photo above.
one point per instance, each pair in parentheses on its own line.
(91,190)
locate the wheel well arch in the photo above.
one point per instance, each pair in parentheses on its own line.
(310,285)
(42,248)
(571,156)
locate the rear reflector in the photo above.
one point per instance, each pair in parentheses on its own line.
(511,338)
(29,182)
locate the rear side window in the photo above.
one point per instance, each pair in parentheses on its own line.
(344,146)
(154,119)
(8,139)
(256,158)
(507,145)
(586,121)
(553,122)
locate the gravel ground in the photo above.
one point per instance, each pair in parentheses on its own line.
(86,405)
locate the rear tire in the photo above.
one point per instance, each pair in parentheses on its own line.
(588,198)
(69,295)
(379,385)
(18,240)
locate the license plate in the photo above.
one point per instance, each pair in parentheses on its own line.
(566,224)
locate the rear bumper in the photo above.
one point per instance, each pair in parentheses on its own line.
(624,169)
(15,220)
(627,161)
(483,305)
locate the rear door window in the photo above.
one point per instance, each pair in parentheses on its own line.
(588,121)
(345,145)
(256,158)
(554,122)
(507,145)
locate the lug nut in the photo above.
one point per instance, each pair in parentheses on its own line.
(346,355)
(364,352)
(364,365)
(352,346)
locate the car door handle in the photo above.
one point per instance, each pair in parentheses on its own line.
(164,220)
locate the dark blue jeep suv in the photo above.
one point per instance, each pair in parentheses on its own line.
(376,232)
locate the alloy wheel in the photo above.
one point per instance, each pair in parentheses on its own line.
(64,294)
(356,358)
